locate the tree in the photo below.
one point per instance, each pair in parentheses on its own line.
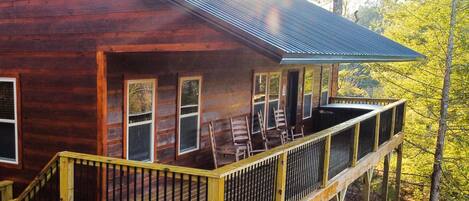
(440,142)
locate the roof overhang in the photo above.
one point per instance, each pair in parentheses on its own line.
(299,32)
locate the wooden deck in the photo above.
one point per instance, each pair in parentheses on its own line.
(316,167)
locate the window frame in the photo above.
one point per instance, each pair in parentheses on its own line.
(17,110)
(179,116)
(127,125)
(267,98)
(328,85)
(312,93)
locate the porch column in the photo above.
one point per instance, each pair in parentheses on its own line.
(398,171)
(366,191)
(385,184)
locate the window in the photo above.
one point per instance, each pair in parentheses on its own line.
(189,114)
(8,121)
(140,119)
(266,95)
(308,94)
(325,78)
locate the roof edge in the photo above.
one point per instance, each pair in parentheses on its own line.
(322,59)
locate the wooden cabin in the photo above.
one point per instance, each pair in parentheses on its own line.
(140,80)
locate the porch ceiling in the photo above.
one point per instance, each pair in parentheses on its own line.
(298,31)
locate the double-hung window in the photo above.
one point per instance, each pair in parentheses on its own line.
(325,79)
(189,114)
(308,94)
(8,121)
(140,119)
(266,96)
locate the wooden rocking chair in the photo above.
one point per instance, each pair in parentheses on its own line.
(220,153)
(241,134)
(270,139)
(281,124)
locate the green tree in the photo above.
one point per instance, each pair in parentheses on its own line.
(424,25)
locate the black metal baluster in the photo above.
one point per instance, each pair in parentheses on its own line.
(128,183)
(181,187)
(149,184)
(135,183)
(107,181)
(143,184)
(190,187)
(198,188)
(206,188)
(173,186)
(100,182)
(121,175)
(157,184)
(165,184)
(113,182)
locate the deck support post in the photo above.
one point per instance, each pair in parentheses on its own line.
(327,155)
(281,177)
(398,172)
(378,120)
(385,184)
(216,189)
(367,178)
(341,195)
(66,179)
(356,138)
(6,190)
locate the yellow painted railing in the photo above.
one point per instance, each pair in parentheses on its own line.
(287,172)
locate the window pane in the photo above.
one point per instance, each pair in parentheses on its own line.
(188,133)
(189,110)
(141,117)
(140,98)
(257,108)
(190,92)
(7,101)
(307,106)
(7,141)
(325,79)
(308,88)
(324,98)
(260,88)
(271,117)
(140,142)
(274,86)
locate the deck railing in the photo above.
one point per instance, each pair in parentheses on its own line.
(288,172)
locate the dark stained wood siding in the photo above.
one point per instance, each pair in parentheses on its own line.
(52,46)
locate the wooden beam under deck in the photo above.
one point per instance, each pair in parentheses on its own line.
(341,181)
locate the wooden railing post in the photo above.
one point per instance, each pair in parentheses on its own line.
(398,172)
(385,184)
(356,138)
(216,189)
(281,176)
(6,190)
(66,179)
(327,155)
(378,120)
(393,121)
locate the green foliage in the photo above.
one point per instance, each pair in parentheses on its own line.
(423,25)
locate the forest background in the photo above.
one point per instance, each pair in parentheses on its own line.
(422,25)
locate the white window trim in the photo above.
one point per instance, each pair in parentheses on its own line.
(305,94)
(181,80)
(267,99)
(15,121)
(152,121)
(310,107)
(328,85)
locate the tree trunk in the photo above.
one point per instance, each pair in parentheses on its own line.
(442,127)
(337,6)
